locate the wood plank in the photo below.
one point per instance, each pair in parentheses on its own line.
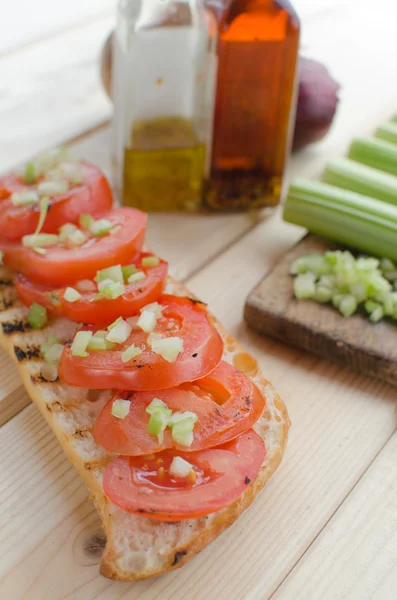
(46,19)
(355,556)
(272,309)
(51,92)
(340,421)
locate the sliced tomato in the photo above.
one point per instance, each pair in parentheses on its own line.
(226,402)
(181,317)
(64,266)
(89,309)
(143,485)
(92,196)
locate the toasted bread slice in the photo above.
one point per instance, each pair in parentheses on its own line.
(136,547)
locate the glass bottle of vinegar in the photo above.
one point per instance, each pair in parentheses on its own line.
(163,85)
(255,102)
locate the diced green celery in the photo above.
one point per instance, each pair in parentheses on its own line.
(376,315)
(111,291)
(101,333)
(71,295)
(135,277)
(375,153)
(150,261)
(336,299)
(24,198)
(86,220)
(131,353)
(169,348)
(304,286)
(37,316)
(77,238)
(347,306)
(53,354)
(147,321)
(322,294)
(80,343)
(120,332)
(391,275)
(121,408)
(29,173)
(314,263)
(40,240)
(387,265)
(114,273)
(156,405)
(371,305)
(116,322)
(128,270)
(97,343)
(52,188)
(66,230)
(101,227)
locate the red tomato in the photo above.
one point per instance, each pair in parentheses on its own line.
(143,485)
(100,311)
(92,196)
(64,266)
(226,402)
(181,317)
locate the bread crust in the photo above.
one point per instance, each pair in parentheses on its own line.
(136,548)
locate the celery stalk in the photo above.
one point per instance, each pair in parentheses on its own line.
(343,216)
(353,176)
(374,153)
(388,132)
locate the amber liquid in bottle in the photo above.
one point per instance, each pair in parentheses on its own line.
(255,103)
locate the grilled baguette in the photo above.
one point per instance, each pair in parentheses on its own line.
(136,547)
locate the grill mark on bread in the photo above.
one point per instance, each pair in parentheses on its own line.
(10,327)
(5,282)
(38,378)
(178,556)
(56,407)
(28,354)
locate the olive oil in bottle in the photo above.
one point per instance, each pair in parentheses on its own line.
(164,81)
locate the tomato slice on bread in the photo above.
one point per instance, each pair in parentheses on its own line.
(226,403)
(93,309)
(181,318)
(93,195)
(61,265)
(219,476)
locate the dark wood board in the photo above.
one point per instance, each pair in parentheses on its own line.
(354,342)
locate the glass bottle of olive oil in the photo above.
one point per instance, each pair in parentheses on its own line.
(164,80)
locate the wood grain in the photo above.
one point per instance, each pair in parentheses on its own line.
(355,556)
(355,342)
(340,421)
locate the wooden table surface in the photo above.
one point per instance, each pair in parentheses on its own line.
(326,525)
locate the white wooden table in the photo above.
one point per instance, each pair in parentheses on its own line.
(326,525)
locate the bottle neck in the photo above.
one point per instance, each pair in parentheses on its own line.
(156,13)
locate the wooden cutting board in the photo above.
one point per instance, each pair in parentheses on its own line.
(354,341)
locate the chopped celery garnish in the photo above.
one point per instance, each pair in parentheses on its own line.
(304,286)
(114,273)
(352,282)
(128,270)
(121,408)
(359,178)
(29,175)
(71,295)
(37,316)
(150,261)
(80,343)
(375,153)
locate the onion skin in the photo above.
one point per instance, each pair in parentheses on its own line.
(317,103)
(317,98)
